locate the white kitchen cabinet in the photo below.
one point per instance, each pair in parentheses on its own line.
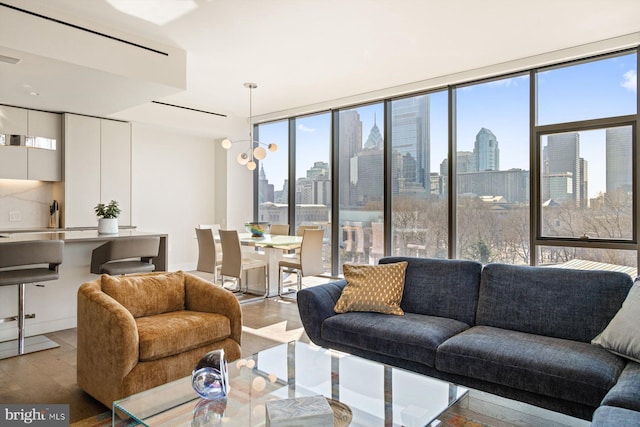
(13,162)
(115,166)
(23,161)
(13,159)
(97,168)
(45,160)
(13,120)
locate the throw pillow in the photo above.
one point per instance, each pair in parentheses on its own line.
(622,336)
(147,294)
(376,288)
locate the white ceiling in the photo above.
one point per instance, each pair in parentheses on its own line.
(301,52)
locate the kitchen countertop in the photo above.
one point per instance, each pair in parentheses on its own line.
(70,236)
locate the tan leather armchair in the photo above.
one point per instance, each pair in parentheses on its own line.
(140,331)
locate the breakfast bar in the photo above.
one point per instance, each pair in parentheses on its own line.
(54,302)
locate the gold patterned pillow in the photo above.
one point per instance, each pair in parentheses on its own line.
(376,288)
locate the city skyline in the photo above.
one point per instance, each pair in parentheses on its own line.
(502,106)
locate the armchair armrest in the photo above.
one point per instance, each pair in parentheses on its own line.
(107,341)
(315,305)
(201,295)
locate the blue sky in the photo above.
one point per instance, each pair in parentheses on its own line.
(586,91)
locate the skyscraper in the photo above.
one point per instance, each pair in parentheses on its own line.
(486,151)
(367,170)
(350,135)
(411,140)
(619,161)
(560,157)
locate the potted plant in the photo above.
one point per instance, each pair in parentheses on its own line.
(107,217)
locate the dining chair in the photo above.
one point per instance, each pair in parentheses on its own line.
(308,263)
(209,252)
(234,264)
(279,229)
(302,228)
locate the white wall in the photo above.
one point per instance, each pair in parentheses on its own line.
(30,198)
(173,188)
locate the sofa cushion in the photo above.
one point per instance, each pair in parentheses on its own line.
(556,302)
(175,332)
(622,336)
(440,287)
(376,288)
(563,369)
(148,293)
(412,337)
(609,416)
(626,392)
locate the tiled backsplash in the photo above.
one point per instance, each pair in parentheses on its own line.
(25,204)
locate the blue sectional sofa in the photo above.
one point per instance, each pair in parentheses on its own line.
(519,332)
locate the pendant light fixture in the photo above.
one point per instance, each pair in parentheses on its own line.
(255,151)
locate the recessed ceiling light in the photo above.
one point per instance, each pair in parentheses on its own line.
(9,59)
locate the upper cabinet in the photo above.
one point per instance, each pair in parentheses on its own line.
(30,144)
(13,153)
(44,143)
(97,168)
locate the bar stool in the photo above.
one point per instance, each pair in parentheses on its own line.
(125,255)
(14,259)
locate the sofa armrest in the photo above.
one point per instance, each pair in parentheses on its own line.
(625,392)
(315,305)
(204,296)
(108,344)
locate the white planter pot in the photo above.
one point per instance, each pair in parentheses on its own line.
(108,225)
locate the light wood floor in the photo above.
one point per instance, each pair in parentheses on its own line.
(50,376)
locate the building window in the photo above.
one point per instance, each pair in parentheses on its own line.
(587,90)
(313,177)
(273,175)
(361,181)
(586,184)
(492,176)
(419,147)
(549,180)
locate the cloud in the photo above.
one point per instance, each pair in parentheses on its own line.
(630,81)
(303,128)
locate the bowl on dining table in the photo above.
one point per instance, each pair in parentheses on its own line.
(257,228)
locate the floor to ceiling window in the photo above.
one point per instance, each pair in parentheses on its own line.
(360,162)
(540,168)
(419,151)
(585,133)
(492,170)
(313,177)
(273,175)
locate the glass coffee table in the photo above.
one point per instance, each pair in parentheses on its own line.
(360,392)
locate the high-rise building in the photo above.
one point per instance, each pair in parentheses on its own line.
(367,169)
(375,141)
(619,161)
(561,157)
(512,185)
(465,162)
(486,152)
(350,134)
(265,190)
(410,138)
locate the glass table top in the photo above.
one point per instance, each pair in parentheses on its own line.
(375,394)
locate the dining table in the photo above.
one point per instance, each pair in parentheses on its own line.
(274,246)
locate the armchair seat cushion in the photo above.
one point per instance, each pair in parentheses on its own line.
(175,332)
